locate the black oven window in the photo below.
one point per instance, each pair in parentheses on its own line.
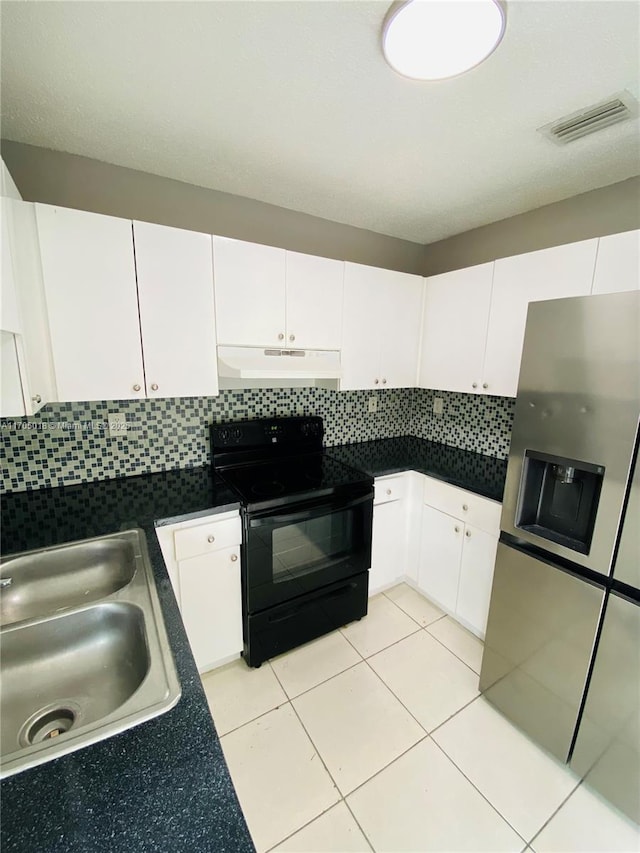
(302,548)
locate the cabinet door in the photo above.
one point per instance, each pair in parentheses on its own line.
(211,605)
(388,546)
(177,319)
(399,328)
(11,396)
(440,552)
(249,293)
(547,274)
(314,301)
(454,329)
(34,344)
(618,263)
(360,330)
(10,316)
(90,287)
(476,577)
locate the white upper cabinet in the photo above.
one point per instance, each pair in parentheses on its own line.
(454,330)
(249,293)
(9,314)
(314,288)
(270,297)
(548,274)
(618,263)
(381,328)
(177,318)
(90,287)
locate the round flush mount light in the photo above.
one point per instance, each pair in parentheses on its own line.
(435,39)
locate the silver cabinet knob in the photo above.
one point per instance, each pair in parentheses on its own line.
(468,534)
(485,384)
(211,538)
(388,491)
(457,529)
(384,381)
(465,507)
(37,398)
(292,337)
(234,557)
(474,385)
(136,387)
(154,387)
(376,381)
(281,336)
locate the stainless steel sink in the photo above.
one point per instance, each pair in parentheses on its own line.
(83,648)
(40,583)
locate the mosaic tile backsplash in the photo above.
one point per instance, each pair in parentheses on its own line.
(70,443)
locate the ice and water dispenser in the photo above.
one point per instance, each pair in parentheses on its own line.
(558,499)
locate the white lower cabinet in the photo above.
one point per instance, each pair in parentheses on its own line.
(476,577)
(211,605)
(390,532)
(203,561)
(458,543)
(440,553)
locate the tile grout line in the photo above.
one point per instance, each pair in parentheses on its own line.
(438,640)
(553,814)
(484,797)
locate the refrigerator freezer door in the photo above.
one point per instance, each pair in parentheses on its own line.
(607,750)
(627,566)
(540,634)
(579,398)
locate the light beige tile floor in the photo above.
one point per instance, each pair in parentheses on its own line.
(375,738)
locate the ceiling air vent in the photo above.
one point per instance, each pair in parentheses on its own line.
(615,109)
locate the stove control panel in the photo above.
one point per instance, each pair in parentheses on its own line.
(268,432)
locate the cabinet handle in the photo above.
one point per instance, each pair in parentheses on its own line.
(465,507)
(384,381)
(37,398)
(281,336)
(457,529)
(474,384)
(211,538)
(154,387)
(234,557)
(388,491)
(292,337)
(136,387)
(375,381)
(468,534)
(485,384)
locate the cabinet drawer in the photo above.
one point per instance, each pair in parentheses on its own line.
(212,536)
(468,507)
(388,489)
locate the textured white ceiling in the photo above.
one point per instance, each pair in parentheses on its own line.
(292,103)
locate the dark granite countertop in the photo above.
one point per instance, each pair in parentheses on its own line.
(162,785)
(483,475)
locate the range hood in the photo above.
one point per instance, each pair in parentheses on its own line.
(254,367)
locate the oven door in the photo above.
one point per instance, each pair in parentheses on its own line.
(288,554)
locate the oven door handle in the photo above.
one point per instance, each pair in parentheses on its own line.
(307,514)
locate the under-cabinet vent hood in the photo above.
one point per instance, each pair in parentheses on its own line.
(251,367)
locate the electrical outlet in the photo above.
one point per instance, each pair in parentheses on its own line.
(117,424)
(438,405)
(372,405)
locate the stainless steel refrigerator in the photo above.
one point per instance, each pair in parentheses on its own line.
(562,648)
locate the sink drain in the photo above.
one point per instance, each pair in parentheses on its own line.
(49,725)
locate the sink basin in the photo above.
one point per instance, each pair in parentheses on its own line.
(84,652)
(45,582)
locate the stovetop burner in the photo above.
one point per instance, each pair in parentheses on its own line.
(267,489)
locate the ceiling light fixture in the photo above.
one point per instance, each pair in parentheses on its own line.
(435,39)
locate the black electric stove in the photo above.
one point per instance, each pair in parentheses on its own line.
(307,521)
